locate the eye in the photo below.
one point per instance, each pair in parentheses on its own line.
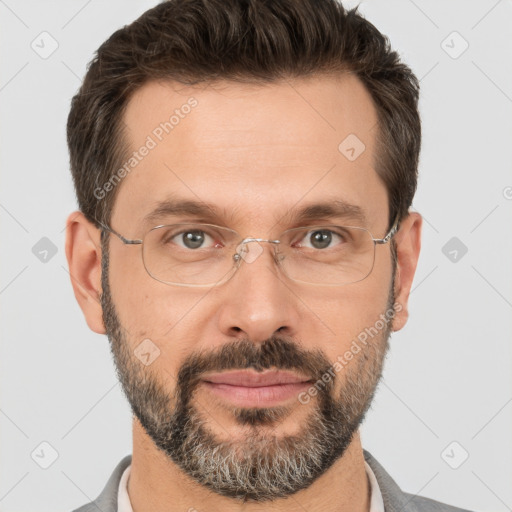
(192,239)
(322,239)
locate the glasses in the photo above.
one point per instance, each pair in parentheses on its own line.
(197,254)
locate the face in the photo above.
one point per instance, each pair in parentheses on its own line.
(256,155)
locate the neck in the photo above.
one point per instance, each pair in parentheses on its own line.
(156,484)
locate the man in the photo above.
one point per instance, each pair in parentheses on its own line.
(244,171)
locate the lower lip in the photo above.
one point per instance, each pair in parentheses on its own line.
(263,396)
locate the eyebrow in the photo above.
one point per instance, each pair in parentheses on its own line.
(210,213)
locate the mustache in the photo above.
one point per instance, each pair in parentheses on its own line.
(277,352)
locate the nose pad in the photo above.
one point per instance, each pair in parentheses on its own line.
(250,250)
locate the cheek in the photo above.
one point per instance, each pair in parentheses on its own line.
(146,308)
(169,317)
(343,314)
(161,315)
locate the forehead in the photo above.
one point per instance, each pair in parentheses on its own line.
(255,151)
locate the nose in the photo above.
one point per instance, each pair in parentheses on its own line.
(258,300)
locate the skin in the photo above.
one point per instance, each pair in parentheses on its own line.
(258,152)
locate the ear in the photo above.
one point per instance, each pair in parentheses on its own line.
(408,245)
(83,252)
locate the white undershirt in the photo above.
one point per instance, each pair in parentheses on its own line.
(376,502)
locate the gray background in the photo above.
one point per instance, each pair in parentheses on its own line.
(448,376)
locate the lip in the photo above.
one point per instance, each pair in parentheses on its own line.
(250,389)
(252,379)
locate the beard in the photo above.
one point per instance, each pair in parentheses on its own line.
(262,466)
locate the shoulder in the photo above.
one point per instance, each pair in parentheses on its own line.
(107,499)
(395,499)
(422,504)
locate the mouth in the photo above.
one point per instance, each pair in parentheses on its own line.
(247,388)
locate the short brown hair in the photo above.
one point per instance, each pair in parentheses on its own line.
(256,41)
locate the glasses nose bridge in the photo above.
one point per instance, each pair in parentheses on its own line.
(251,239)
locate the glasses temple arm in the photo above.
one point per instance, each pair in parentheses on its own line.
(390,234)
(121,237)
